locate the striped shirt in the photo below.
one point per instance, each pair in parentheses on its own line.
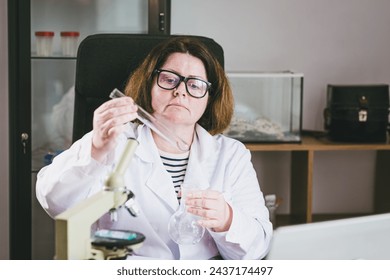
(176,166)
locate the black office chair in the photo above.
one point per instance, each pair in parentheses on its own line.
(104,62)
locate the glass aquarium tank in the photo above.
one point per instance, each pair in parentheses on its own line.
(268,107)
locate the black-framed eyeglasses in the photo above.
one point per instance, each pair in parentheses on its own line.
(169,80)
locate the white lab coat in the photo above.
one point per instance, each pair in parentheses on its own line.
(216,162)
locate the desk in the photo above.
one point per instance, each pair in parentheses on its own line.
(302,160)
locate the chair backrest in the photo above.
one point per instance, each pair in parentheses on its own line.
(104,62)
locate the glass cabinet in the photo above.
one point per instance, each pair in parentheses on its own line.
(52,75)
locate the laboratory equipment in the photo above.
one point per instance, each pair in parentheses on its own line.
(44,43)
(156,125)
(115,244)
(69,41)
(73,227)
(183,227)
(268,106)
(272,203)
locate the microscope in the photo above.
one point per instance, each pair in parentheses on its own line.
(73,227)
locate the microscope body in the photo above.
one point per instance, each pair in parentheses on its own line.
(73,226)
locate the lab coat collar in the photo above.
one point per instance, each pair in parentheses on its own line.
(205,145)
(200,162)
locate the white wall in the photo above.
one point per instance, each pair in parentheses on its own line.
(330,41)
(4,179)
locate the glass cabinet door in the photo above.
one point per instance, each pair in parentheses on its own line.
(52,83)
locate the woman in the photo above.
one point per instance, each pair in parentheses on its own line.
(181,83)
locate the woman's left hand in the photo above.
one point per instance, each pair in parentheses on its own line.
(211,206)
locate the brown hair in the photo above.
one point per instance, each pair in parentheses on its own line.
(219,110)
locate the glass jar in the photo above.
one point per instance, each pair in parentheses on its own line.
(69,40)
(44,42)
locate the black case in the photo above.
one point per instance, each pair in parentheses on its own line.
(357,113)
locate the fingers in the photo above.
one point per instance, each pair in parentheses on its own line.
(213,224)
(208,194)
(108,123)
(211,206)
(115,112)
(204,203)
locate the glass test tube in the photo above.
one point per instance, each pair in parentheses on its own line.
(156,125)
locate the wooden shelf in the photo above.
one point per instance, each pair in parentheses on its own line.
(310,143)
(302,161)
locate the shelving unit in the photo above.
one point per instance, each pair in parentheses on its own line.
(302,161)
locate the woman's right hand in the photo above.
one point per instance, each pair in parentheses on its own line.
(108,122)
